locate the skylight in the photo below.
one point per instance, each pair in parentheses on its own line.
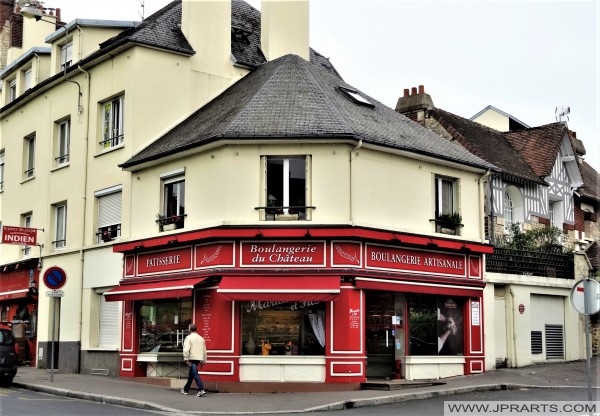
(356,97)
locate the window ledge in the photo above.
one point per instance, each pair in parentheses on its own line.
(27,179)
(110,149)
(61,166)
(283,359)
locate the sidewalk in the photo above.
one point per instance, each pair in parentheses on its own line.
(126,392)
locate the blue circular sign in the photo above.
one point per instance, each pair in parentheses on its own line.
(55,278)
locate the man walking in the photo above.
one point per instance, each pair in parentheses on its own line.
(194,353)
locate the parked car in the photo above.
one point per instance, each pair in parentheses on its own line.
(8,357)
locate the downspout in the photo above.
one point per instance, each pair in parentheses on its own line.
(352,156)
(86,119)
(513,329)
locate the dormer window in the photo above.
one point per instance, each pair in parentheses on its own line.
(355,97)
(66,55)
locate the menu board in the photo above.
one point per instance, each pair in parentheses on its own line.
(347,327)
(215,320)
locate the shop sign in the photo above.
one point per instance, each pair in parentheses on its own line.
(175,260)
(282,253)
(19,235)
(415,261)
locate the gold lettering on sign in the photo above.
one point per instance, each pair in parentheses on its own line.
(163,261)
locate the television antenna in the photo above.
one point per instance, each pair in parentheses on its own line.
(142,5)
(562,113)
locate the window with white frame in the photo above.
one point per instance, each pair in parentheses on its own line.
(66,55)
(173,213)
(26,222)
(446,204)
(112,119)
(109,213)
(286,194)
(12,90)
(60,225)
(555,211)
(1,170)
(62,142)
(513,208)
(509,211)
(27,79)
(29,157)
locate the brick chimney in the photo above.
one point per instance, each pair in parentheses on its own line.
(413,104)
(284,28)
(206,24)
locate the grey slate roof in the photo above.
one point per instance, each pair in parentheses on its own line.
(292,98)
(489,144)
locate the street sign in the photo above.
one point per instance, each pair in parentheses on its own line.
(55,293)
(55,278)
(586,290)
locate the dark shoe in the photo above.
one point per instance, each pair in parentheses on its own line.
(200,393)
(183,391)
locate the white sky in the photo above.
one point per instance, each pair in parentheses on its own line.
(523,57)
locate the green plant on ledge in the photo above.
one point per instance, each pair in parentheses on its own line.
(453,220)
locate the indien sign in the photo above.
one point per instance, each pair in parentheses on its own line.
(19,235)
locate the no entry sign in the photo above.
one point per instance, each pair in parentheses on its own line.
(55,278)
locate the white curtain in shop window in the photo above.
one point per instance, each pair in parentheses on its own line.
(316,321)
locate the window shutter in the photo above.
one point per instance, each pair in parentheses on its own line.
(109,209)
(109,323)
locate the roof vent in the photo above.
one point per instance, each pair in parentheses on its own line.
(355,97)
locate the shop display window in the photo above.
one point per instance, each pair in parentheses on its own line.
(283,328)
(435,325)
(164,324)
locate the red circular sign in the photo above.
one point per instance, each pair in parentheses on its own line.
(521,308)
(55,278)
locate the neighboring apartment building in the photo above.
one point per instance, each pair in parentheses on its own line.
(530,309)
(277,210)
(102,90)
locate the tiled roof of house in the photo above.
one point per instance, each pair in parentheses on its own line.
(292,98)
(539,146)
(487,143)
(162,30)
(591,182)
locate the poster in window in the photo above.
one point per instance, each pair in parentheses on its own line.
(450,327)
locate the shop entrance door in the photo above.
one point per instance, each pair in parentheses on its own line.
(384,334)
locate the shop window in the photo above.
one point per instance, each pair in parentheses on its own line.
(112,127)
(435,325)
(164,324)
(286,188)
(109,214)
(290,328)
(62,142)
(60,226)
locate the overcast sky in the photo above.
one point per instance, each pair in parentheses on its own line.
(523,57)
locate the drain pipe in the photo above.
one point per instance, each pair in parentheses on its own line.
(482,215)
(513,329)
(352,156)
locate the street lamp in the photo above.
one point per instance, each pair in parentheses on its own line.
(32,11)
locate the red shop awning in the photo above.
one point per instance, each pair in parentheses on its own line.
(418,287)
(14,294)
(280,288)
(162,289)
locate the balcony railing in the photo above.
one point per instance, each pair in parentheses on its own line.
(531,263)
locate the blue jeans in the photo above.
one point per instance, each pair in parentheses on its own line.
(193,375)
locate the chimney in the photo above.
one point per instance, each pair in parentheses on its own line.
(284,28)
(206,24)
(418,99)
(415,104)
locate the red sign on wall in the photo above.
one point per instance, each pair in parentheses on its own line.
(176,260)
(283,253)
(416,261)
(19,235)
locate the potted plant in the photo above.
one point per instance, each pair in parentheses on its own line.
(106,236)
(450,223)
(164,223)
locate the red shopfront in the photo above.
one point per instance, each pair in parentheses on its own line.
(319,301)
